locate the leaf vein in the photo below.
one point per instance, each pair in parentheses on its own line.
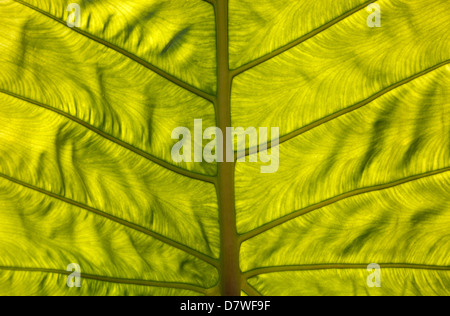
(300,40)
(183,286)
(117,220)
(349,109)
(336,199)
(131,56)
(250,290)
(160,162)
(288,268)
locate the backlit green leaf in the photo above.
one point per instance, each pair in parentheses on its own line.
(87,175)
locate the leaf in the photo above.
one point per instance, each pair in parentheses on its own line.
(87,177)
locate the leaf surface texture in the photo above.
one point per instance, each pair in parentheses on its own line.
(86,174)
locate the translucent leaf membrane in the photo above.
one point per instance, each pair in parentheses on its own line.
(176,36)
(52,153)
(87,177)
(404,133)
(39,231)
(258,28)
(342,66)
(405,224)
(45,62)
(407,282)
(26,283)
